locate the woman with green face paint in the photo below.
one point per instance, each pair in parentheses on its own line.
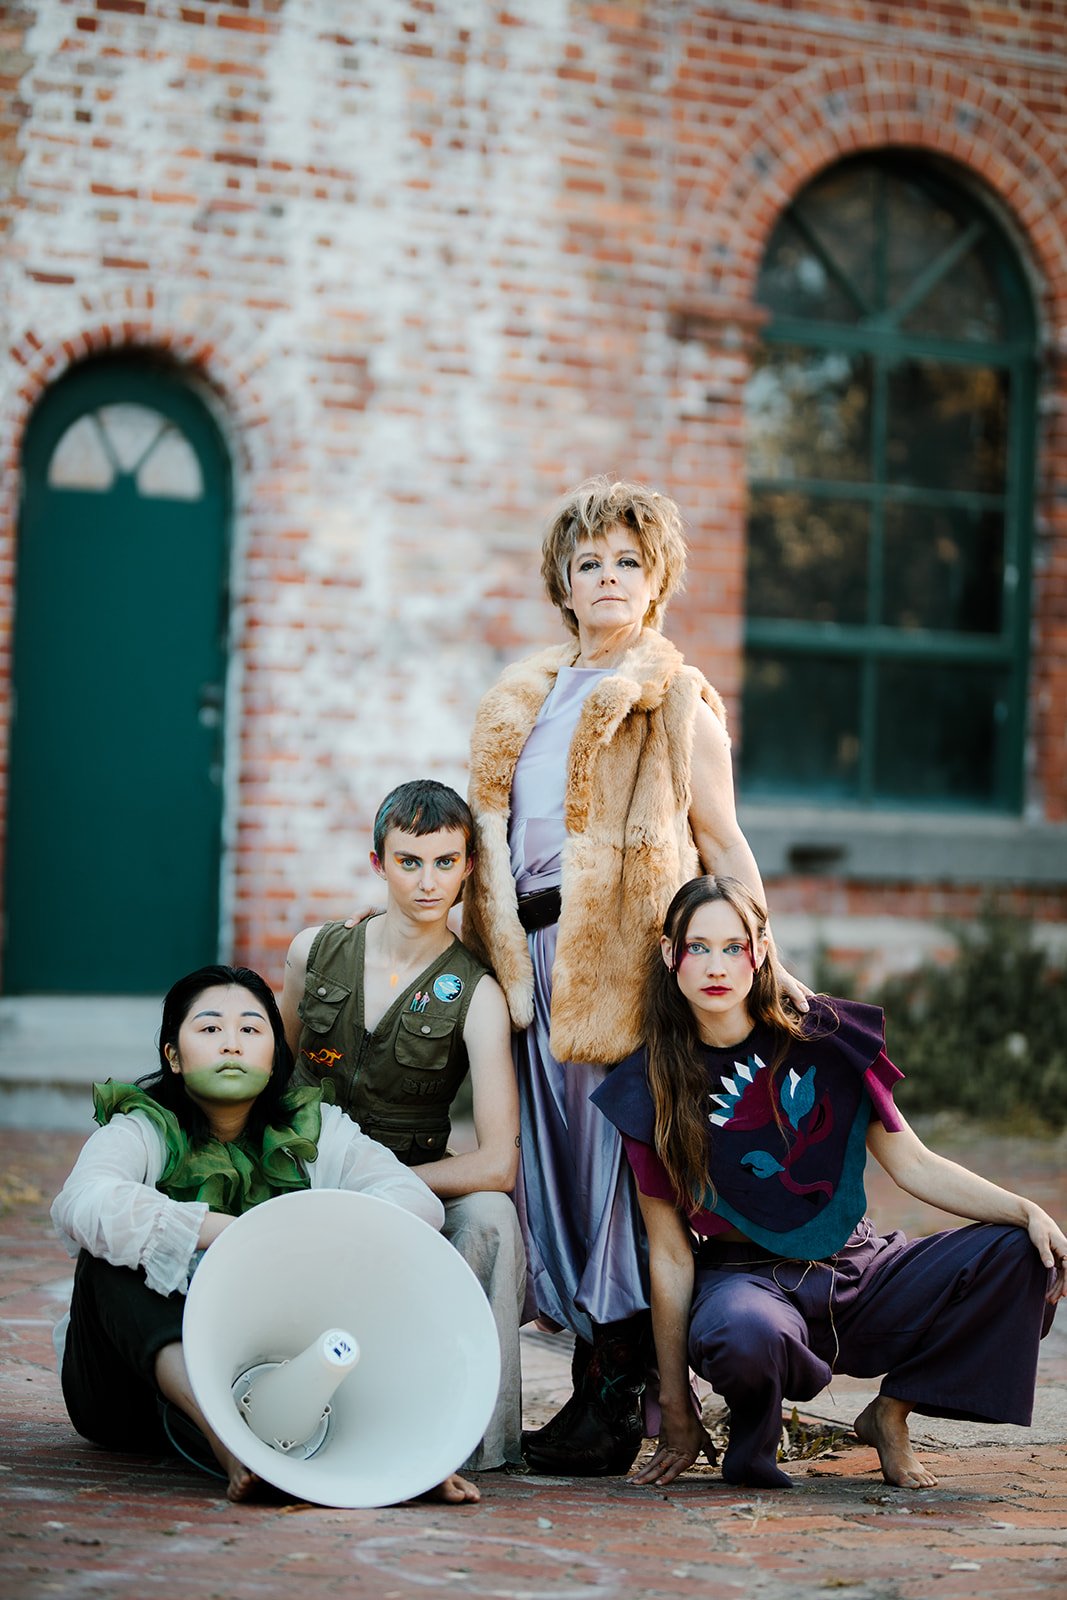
(177,1157)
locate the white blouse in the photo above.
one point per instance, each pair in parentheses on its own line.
(110,1206)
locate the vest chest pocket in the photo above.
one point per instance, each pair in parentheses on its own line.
(323,1003)
(413,1148)
(424,1042)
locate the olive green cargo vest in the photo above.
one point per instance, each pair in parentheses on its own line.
(398,1082)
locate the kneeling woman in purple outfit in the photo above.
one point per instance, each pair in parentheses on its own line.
(747,1129)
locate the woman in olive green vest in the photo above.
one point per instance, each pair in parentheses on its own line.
(176,1159)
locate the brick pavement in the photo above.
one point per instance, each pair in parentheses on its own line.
(77,1522)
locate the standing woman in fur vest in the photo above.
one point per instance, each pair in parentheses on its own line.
(600,782)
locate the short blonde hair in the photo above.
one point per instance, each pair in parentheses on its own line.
(590,512)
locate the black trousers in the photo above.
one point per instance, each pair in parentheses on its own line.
(118,1325)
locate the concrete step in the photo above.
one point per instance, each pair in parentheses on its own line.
(53,1048)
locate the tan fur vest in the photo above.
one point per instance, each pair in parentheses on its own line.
(629,844)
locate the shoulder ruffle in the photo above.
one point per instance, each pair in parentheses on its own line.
(625,1100)
(856,1030)
(228,1177)
(112,1099)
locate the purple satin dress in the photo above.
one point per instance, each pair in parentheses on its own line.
(576,1200)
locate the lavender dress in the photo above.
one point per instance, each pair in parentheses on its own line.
(575,1198)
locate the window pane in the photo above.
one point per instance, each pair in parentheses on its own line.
(807,558)
(796,281)
(841,211)
(801,721)
(919,230)
(943,568)
(80,460)
(937,732)
(963,305)
(171,470)
(947,426)
(808,414)
(131,431)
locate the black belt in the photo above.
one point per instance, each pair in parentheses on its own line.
(540,909)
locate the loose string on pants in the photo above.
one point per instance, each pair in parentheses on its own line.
(863,1234)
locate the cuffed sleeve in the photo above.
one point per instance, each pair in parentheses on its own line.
(110,1206)
(880,1081)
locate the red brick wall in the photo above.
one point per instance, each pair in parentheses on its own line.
(439,262)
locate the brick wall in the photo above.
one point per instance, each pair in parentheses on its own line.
(437,262)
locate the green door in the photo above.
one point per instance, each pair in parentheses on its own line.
(115,809)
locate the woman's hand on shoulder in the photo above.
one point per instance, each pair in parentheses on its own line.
(798,994)
(682,1439)
(1051,1245)
(363,916)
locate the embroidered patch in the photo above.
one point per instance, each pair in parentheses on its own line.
(746,1108)
(745,1100)
(323,1058)
(448,987)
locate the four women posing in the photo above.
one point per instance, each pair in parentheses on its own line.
(600,782)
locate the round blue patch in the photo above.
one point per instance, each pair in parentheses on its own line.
(448,986)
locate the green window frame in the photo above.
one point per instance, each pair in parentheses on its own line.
(890,417)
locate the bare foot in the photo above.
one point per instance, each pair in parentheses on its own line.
(884,1424)
(454,1491)
(242,1482)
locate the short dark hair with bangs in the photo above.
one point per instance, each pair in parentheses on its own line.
(423,806)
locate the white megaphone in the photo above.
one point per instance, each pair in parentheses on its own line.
(341,1348)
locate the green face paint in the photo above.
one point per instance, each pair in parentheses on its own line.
(229,1081)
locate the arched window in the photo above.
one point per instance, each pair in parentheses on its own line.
(890,438)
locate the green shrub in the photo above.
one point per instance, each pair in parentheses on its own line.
(985,1035)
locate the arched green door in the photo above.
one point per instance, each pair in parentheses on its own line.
(114,815)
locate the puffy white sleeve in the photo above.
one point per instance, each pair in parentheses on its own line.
(110,1206)
(349,1159)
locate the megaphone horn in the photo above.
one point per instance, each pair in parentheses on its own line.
(287,1404)
(341,1348)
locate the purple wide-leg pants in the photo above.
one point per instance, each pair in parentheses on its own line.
(953,1321)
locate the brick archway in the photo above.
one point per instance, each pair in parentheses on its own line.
(227,352)
(821,115)
(786,137)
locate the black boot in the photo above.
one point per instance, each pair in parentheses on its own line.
(602,1431)
(565,1417)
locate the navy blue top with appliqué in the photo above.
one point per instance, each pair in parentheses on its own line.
(797,1188)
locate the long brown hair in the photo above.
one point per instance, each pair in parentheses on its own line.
(676,1073)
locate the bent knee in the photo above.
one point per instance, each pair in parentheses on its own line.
(1016,1249)
(744,1346)
(487,1215)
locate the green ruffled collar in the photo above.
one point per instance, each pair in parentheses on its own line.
(230,1178)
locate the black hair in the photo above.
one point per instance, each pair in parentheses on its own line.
(168,1087)
(423,806)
